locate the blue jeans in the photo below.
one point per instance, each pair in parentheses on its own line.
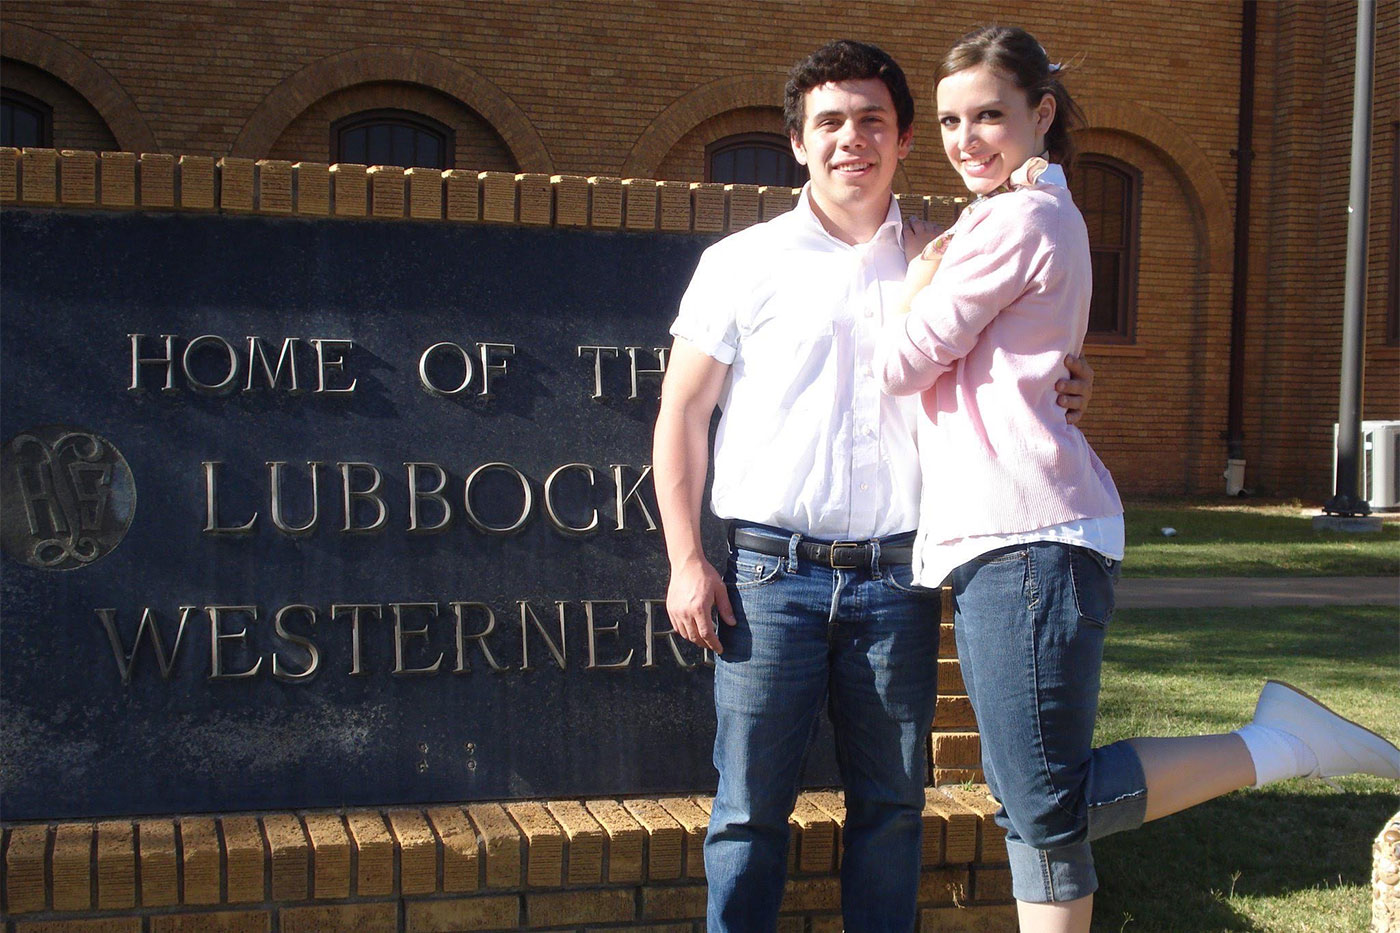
(863,643)
(1031,621)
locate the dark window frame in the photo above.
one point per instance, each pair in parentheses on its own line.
(41,109)
(1125,331)
(771,141)
(391,116)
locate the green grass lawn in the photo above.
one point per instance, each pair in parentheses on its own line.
(1295,856)
(1232,537)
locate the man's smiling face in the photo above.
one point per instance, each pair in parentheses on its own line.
(851,145)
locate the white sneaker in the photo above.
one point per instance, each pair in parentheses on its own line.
(1341,746)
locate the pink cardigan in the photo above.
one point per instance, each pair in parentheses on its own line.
(984,344)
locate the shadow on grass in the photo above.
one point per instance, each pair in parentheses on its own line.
(1226,639)
(1239,541)
(1181,872)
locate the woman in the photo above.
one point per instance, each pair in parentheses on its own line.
(1025,516)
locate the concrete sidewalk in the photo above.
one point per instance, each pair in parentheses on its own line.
(1234,592)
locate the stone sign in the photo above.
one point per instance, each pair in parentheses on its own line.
(326,513)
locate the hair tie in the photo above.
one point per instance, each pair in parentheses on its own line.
(1054,67)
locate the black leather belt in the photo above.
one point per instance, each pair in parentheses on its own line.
(839,555)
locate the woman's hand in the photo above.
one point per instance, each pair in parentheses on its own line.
(924,243)
(917,235)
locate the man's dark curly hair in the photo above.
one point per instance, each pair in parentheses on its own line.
(844,60)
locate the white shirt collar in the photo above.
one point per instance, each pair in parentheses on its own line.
(1054,174)
(893,218)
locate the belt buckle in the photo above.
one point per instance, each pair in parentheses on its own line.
(848,545)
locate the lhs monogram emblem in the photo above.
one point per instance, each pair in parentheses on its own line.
(68,497)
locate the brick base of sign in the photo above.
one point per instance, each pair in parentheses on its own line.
(631,864)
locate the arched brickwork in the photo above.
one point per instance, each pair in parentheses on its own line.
(478,147)
(673,145)
(82,74)
(709,100)
(1211,202)
(1182,321)
(686,159)
(75,123)
(387,63)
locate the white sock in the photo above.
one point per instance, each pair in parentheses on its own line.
(1277,755)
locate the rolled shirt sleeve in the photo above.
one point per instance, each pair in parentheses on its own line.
(708,311)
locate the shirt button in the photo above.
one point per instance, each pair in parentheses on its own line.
(864,485)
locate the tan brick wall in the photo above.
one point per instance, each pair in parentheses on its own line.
(1299,239)
(591,85)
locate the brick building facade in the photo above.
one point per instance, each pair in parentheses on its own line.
(635,90)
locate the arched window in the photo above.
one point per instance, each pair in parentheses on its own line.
(753,159)
(392,137)
(25,121)
(1107,192)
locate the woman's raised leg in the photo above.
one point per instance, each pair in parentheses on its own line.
(1062,917)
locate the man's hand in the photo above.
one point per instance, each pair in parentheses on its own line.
(695,590)
(1076,391)
(680,454)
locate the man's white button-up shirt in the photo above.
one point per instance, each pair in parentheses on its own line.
(806,441)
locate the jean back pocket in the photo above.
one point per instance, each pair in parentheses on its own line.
(1094,577)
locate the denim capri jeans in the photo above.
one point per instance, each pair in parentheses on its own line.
(1031,620)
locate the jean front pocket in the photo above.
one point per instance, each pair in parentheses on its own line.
(751,569)
(993,585)
(1093,576)
(900,578)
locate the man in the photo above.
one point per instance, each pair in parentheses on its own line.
(816,472)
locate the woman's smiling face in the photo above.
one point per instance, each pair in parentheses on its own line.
(989,128)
